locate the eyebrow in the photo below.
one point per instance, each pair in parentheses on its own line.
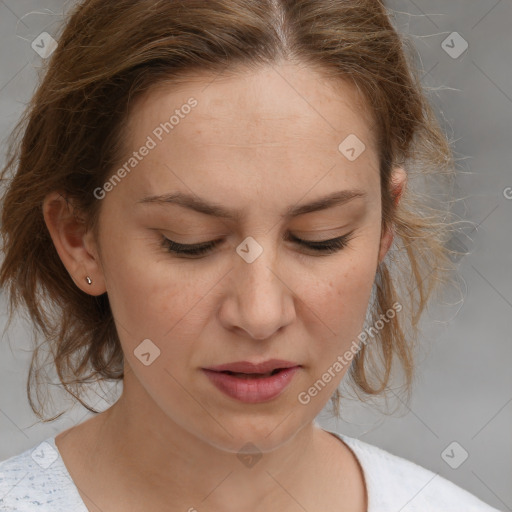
(202,206)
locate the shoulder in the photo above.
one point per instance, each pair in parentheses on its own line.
(37,479)
(395,483)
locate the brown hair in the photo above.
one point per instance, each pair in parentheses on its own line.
(70,139)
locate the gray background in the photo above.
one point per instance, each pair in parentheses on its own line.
(463,392)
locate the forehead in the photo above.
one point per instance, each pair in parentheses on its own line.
(299,98)
(251,129)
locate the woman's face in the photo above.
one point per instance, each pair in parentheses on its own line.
(258,146)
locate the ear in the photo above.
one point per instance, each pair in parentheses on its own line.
(398,184)
(76,248)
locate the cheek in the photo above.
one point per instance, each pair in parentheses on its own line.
(150,295)
(346,300)
(340,302)
(165,308)
(343,287)
(156,304)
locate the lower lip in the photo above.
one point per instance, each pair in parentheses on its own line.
(255,390)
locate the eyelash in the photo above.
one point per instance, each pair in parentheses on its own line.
(324,247)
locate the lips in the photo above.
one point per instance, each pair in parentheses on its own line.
(246,368)
(254,385)
(241,375)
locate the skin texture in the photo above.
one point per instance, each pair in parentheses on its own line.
(258,142)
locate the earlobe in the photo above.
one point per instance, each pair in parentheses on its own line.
(73,243)
(398,184)
(385,243)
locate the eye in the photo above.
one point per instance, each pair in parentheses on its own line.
(188,250)
(323,247)
(330,246)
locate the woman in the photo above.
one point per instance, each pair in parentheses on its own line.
(207,193)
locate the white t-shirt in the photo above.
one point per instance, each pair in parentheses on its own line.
(38,479)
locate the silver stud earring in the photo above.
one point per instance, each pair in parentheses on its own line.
(89,280)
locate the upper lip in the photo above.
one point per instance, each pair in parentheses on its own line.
(248,367)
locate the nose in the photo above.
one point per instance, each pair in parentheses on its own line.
(259,298)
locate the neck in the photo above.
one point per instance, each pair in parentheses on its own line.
(154,456)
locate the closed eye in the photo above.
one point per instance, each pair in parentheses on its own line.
(323,247)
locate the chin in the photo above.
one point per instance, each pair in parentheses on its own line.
(265,433)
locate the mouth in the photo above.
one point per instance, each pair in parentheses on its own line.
(253,382)
(254,370)
(241,375)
